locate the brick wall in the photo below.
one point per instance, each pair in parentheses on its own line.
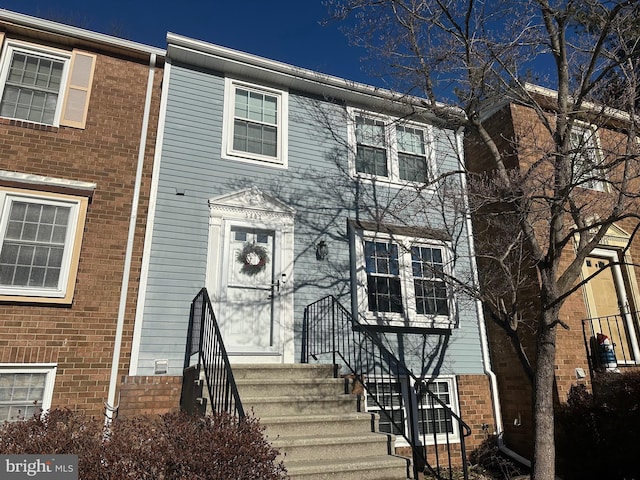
(523,124)
(146,395)
(476,408)
(80,337)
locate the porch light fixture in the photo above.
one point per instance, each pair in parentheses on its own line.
(322,250)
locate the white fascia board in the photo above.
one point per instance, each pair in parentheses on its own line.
(69,31)
(233,62)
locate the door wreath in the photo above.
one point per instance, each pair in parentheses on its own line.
(253,258)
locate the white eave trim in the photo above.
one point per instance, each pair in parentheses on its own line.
(234,62)
(67,30)
(28,178)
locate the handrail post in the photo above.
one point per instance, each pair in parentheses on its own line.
(304,354)
(333,336)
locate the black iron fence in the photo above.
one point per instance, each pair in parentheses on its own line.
(611,341)
(417,409)
(205,340)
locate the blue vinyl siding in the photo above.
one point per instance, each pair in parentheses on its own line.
(315,184)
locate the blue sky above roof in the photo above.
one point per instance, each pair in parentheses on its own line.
(285,30)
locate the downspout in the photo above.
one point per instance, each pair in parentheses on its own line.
(484,343)
(110,405)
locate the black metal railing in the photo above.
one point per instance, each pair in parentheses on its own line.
(407,405)
(205,340)
(611,341)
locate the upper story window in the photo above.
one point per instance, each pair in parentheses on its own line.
(391,150)
(255,123)
(402,280)
(40,237)
(371,149)
(46,86)
(586,158)
(32,86)
(412,154)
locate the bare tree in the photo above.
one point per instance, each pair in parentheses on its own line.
(538,194)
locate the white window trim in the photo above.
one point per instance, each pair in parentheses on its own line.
(592,143)
(405,384)
(281,159)
(49,368)
(393,179)
(66,282)
(409,318)
(60,55)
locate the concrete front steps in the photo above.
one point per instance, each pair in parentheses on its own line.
(315,425)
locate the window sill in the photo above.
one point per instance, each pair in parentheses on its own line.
(42,127)
(65,300)
(441,323)
(393,183)
(255,160)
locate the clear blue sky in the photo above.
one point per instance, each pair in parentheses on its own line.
(284,30)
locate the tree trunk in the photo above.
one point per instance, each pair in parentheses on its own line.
(543,412)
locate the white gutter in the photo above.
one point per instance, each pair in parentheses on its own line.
(75,32)
(235,62)
(113,381)
(484,343)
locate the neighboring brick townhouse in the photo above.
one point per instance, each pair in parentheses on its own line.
(78,118)
(608,303)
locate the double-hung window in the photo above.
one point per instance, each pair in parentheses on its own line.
(45,85)
(402,281)
(371,152)
(25,390)
(586,158)
(32,85)
(255,123)
(391,150)
(412,154)
(40,236)
(390,400)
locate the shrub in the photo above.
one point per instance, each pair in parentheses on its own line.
(489,462)
(164,447)
(597,434)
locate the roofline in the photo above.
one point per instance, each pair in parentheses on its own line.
(80,33)
(233,61)
(589,107)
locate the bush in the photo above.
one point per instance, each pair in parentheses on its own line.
(165,447)
(597,434)
(489,462)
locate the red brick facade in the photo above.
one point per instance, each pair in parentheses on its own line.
(521,123)
(79,338)
(144,395)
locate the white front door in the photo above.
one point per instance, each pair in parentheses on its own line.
(250,275)
(249,296)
